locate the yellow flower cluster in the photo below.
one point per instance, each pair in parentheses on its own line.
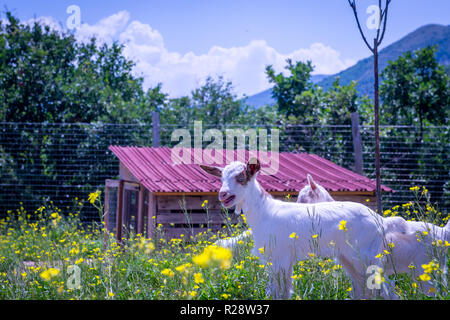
(50,273)
(214,256)
(428,269)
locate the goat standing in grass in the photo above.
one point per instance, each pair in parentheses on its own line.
(348,231)
(413,243)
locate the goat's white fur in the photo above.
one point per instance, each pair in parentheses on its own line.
(272,221)
(312,192)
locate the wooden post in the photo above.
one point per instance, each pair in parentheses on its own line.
(150,214)
(106,216)
(120,193)
(106,208)
(357,144)
(140,215)
(155,129)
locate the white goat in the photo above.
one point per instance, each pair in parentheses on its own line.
(407,251)
(404,235)
(348,231)
(312,192)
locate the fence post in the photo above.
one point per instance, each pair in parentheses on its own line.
(357,143)
(155,128)
(119,217)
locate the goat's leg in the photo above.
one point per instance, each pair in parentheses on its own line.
(280,281)
(357,276)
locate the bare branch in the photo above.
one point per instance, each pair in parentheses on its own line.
(379,21)
(353,6)
(385,20)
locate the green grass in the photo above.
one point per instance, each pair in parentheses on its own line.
(36,256)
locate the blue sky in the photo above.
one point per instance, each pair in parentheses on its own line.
(179,42)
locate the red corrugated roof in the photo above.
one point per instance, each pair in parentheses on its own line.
(154,168)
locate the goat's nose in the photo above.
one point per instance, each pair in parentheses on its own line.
(222,195)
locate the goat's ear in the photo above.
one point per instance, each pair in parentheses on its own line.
(311,182)
(215,171)
(253,166)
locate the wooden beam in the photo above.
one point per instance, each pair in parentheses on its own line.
(156,142)
(115,183)
(120,194)
(151,212)
(106,217)
(106,208)
(112,183)
(131,186)
(140,215)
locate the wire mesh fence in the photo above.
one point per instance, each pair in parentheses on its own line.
(63,163)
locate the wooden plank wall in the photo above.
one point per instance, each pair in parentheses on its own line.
(185,215)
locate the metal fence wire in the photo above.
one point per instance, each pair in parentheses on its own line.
(63,163)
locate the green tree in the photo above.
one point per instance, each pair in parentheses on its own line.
(339,102)
(48,77)
(415,90)
(215,102)
(286,88)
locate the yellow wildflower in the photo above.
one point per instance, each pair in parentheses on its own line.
(198,278)
(213,255)
(48,274)
(193,293)
(93,196)
(343,225)
(430,267)
(425,277)
(168,272)
(293,235)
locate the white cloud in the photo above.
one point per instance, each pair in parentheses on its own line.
(181,73)
(106,30)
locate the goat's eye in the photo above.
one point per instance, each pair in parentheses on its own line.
(240,179)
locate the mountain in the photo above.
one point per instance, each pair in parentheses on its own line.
(362,71)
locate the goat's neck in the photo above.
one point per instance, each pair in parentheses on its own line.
(255,203)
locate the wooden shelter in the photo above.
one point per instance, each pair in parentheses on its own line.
(183,199)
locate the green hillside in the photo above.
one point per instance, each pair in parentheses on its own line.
(362,71)
(424,36)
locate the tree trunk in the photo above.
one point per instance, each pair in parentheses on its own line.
(377,133)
